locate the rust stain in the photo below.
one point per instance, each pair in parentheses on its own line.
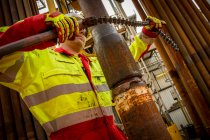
(140,116)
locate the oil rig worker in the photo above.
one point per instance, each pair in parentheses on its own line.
(63,89)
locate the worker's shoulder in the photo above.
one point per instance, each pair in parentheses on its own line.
(44,51)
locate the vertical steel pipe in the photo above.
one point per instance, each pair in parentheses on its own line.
(207,4)
(198,24)
(195,30)
(27,8)
(191,35)
(187,43)
(203,8)
(18,118)
(59,6)
(2,20)
(6,12)
(185,76)
(123,14)
(139,9)
(51,6)
(173,74)
(40,133)
(27,117)
(190,63)
(134,103)
(200,15)
(113,6)
(206,61)
(20,9)
(34,7)
(2,132)
(187,103)
(13,10)
(7,113)
(63,6)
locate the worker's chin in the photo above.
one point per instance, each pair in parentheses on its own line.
(78,48)
(80,45)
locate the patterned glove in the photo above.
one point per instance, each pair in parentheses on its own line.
(65,26)
(154,25)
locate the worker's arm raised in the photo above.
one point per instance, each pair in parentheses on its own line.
(143,42)
(11,65)
(65,27)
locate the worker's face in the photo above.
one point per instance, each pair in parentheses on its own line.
(78,43)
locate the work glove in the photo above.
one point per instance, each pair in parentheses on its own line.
(154,25)
(66,27)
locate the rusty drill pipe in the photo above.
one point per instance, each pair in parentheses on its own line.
(120,69)
(138,112)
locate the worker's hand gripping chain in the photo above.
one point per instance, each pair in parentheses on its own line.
(65,26)
(155,25)
(91,21)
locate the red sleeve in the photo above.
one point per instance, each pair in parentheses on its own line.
(30,26)
(1,33)
(149,33)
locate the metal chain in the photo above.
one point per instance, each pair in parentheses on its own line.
(92,21)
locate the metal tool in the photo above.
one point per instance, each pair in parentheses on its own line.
(85,23)
(92,21)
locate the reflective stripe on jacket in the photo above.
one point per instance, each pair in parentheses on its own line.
(55,87)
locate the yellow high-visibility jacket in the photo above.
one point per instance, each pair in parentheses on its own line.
(56,89)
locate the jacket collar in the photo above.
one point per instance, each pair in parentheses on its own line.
(63,51)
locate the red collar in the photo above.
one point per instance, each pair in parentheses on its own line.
(63,51)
